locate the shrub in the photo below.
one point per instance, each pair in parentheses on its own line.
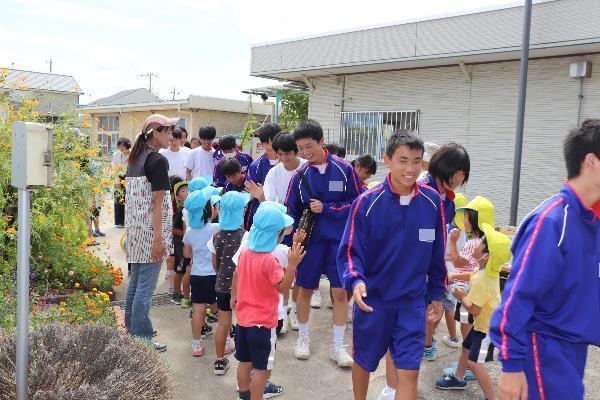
(88,362)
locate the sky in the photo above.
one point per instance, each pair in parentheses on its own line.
(196,47)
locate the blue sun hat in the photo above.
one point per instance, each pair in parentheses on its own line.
(269,219)
(200,182)
(196,203)
(231,210)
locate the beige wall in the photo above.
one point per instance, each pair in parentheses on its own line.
(130,123)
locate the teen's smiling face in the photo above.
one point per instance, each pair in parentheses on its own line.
(405,167)
(310,149)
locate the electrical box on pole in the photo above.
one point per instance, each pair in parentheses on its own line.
(31,155)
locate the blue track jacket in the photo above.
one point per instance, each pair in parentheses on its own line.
(336,188)
(218,177)
(554,284)
(398,251)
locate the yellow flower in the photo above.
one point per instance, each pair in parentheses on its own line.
(94,290)
(35,114)
(76,285)
(120,166)
(76,165)
(6,218)
(110,292)
(123,182)
(90,303)
(100,302)
(63,304)
(4,71)
(79,318)
(86,124)
(96,189)
(86,116)
(62,309)
(23,87)
(11,230)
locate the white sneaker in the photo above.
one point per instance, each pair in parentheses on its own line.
(456,343)
(284,326)
(229,345)
(387,394)
(315,300)
(340,356)
(302,348)
(293,321)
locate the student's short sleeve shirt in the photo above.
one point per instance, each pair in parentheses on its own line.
(484,293)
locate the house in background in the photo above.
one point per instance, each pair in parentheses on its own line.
(57,94)
(455,78)
(122,114)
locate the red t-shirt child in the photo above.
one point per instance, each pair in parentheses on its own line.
(257,297)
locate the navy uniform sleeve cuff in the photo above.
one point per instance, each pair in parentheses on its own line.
(513,365)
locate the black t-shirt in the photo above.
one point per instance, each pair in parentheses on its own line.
(156,169)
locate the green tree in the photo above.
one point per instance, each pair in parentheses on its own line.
(294,109)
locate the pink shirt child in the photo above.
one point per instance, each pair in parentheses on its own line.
(257,297)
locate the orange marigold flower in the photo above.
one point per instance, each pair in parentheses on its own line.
(11,230)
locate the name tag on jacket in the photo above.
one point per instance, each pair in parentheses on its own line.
(336,186)
(426,235)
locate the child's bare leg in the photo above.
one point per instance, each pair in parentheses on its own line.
(391,377)
(463,363)
(407,384)
(258,383)
(484,379)
(169,275)
(185,282)
(429,329)
(222,331)
(303,305)
(198,318)
(340,306)
(450,323)
(360,382)
(465,329)
(213,308)
(243,376)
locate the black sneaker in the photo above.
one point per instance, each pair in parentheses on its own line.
(176,299)
(212,318)
(207,330)
(221,366)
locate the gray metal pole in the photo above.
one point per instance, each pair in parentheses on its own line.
(514,203)
(23,294)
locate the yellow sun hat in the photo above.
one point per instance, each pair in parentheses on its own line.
(484,208)
(460,201)
(499,249)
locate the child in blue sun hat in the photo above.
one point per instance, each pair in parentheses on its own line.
(258,281)
(223,245)
(202,280)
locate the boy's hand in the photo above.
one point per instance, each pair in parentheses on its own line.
(435,311)
(295,254)
(255,190)
(359,292)
(299,236)
(513,386)
(454,235)
(458,293)
(233,302)
(316,206)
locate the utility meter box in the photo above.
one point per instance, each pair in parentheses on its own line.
(32,145)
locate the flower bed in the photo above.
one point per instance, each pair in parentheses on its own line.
(60,263)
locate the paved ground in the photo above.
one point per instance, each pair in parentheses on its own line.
(317,378)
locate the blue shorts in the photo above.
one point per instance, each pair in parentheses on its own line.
(256,345)
(321,258)
(561,368)
(402,331)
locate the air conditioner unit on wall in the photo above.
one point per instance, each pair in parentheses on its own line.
(580,69)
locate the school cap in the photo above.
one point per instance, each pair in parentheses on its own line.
(176,188)
(195,204)
(156,121)
(430,149)
(231,209)
(460,201)
(484,208)
(269,220)
(200,182)
(499,249)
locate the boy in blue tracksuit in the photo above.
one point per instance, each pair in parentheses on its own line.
(389,271)
(333,184)
(550,310)
(257,171)
(228,149)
